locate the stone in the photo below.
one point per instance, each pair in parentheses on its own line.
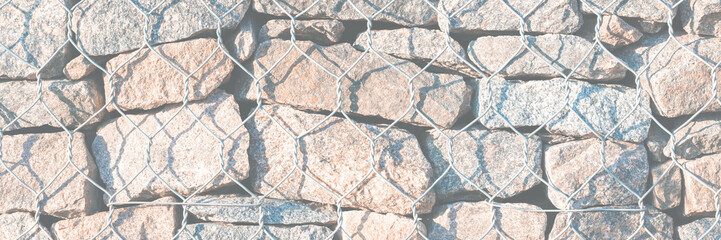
(697,229)
(78,68)
(204,231)
(21,225)
(274,211)
(334,145)
(147,81)
(701,17)
(371,225)
(244,42)
(370,88)
(569,165)
(637,55)
(152,221)
(702,173)
(407,13)
(71,102)
(106,27)
(533,103)
(644,26)
(478,17)
(490,159)
(667,192)
(38,158)
(647,10)
(565,52)
(609,224)
(420,44)
(321,31)
(473,220)
(615,32)
(174,154)
(36,32)
(655,142)
(701,136)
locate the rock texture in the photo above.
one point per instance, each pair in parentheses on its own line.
(274,211)
(175,153)
(38,158)
(466,220)
(337,155)
(613,224)
(490,159)
(371,225)
(702,136)
(105,27)
(569,165)
(206,231)
(534,103)
(697,229)
(644,26)
(615,32)
(147,81)
(79,68)
(667,193)
(321,31)
(71,102)
(701,17)
(698,197)
(245,40)
(492,53)
(655,143)
(561,16)
(371,88)
(21,225)
(647,10)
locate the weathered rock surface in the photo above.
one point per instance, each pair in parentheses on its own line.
(701,17)
(701,136)
(472,220)
(321,31)
(71,102)
(655,143)
(105,27)
(175,155)
(275,211)
(33,30)
(561,16)
(371,225)
(532,103)
(648,10)
(79,68)
(667,193)
(245,40)
(644,26)
(407,13)
(371,88)
(490,159)
(615,32)
(698,198)
(337,156)
(569,165)
(147,81)
(151,221)
(17,226)
(564,52)
(206,231)
(37,159)
(694,230)
(613,224)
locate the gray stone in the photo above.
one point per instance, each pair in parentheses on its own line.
(644,26)
(407,13)
(564,52)
(559,16)
(370,88)
(245,41)
(667,193)
(35,31)
(569,165)
(203,231)
(174,154)
(701,136)
(637,55)
(71,102)
(79,68)
(613,224)
(702,173)
(336,155)
(147,81)
(321,31)
(38,158)
(21,225)
(473,220)
(648,10)
(701,17)
(371,225)
(533,103)
(696,229)
(274,211)
(655,142)
(615,32)
(490,159)
(105,27)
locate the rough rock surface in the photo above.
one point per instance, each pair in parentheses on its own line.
(565,52)
(701,17)
(321,31)
(559,16)
(613,224)
(78,68)
(655,143)
(569,165)
(490,159)
(694,230)
(615,32)
(532,103)
(245,40)
(407,13)
(151,221)
(34,30)
(337,156)
(698,198)
(275,211)
(667,193)
(371,225)
(644,26)
(72,103)
(36,159)
(702,136)
(371,88)
(176,156)
(105,27)
(467,220)
(648,10)
(147,81)
(13,225)
(207,231)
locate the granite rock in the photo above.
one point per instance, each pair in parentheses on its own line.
(321,31)
(78,68)
(615,32)
(701,136)
(667,193)
(21,225)
(371,225)
(696,229)
(698,198)
(655,143)
(205,231)
(244,41)
(644,26)
(472,220)
(274,211)
(647,10)
(613,224)
(701,17)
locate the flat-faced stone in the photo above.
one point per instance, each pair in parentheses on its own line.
(336,156)
(668,191)
(244,41)
(78,68)
(21,225)
(707,228)
(174,154)
(701,136)
(655,143)
(648,10)
(615,32)
(610,224)
(371,225)
(702,173)
(274,211)
(473,220)
(207,231)
(321,31)
(701,17)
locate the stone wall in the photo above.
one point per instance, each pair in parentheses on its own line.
(431,119)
